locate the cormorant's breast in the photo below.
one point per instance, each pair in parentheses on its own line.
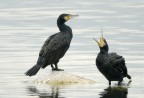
(101,59)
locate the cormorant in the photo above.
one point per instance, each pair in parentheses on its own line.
(54,47)
(111,65)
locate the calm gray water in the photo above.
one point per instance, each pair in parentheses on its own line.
(26,24)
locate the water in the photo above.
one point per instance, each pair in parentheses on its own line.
(26,24)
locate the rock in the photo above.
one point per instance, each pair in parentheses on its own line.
(62,78)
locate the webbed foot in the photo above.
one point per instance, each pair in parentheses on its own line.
(56,69)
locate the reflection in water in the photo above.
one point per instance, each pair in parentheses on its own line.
(34,91)
(25,25)
(114,92)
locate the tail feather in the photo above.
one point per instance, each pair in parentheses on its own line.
(128,76)
(33,71)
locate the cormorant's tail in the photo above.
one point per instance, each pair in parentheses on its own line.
(128,76)
(32,71)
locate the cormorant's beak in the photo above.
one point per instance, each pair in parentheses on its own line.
(70,17)
(101,42)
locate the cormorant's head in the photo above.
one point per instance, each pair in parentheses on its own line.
(65,17)
(102,43)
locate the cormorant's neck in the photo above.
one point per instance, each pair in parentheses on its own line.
(104,49)
(63,27)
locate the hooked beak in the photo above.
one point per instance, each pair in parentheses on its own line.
(70,17)
(101,42)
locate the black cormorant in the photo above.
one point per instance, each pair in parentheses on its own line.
(111,65)
(54,47)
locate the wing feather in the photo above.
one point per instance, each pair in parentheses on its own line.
(117,62)
(54,48)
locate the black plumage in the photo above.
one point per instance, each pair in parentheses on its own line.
(54,47)
(111,65)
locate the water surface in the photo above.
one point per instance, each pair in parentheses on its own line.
(26,24)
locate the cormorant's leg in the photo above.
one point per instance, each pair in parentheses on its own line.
(119,83)
(129,83)
(56,68)
(109,83)
(52,67)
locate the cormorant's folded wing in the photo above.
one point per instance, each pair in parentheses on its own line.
(117,62)
(45,44)
(55,46)
(114,59)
